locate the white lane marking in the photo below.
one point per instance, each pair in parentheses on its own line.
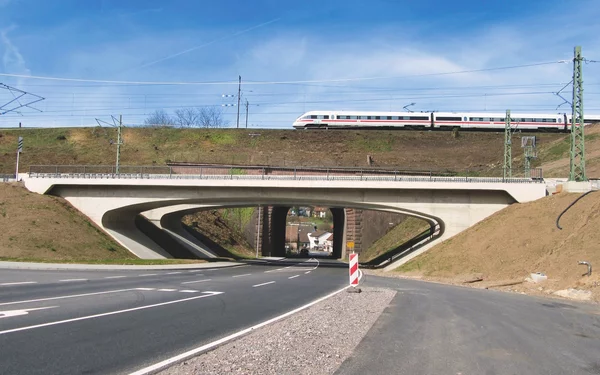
(11,313)
(279,269)
(195,271)
(246,274)
(167,290)
(197,281)
(148,274)
(189,291)
(172,273)
(65,280)
(19,283)
(293,277)
(257,285)
(206,294)
(307,272)
(114,277)
(64,297)
(145,288)
(178,358)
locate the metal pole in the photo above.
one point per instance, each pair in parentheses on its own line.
(119,143)
(246,113)
(17,170)
(577,154)
(507,146)
(238,105)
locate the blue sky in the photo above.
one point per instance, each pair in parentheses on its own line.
(340,55)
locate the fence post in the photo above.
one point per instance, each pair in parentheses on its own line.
(263,173)
(395,172)
(170,172)
(361,174)
(327,174)
(201,172)
(294,173)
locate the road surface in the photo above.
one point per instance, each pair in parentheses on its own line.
(111,322)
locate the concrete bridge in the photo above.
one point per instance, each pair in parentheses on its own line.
(124,204)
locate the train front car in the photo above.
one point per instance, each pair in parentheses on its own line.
(313,120)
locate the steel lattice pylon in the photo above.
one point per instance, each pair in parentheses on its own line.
(577,155)
(507,146)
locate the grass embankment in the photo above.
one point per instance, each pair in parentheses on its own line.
(480,153)
(224,227)
(45,228)
(519,240)
(397,236)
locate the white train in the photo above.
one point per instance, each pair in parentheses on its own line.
(435,120)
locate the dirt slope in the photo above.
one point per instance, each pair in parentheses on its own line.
(519,240)
(48,228)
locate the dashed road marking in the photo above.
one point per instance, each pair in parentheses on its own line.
(188,291)
(257,285)
(172,273)
(204,295)
(70,296)
(19,283)
(166,290)
(169,290)
(65,280)
(115,277)
(148,274)
(293,277)
(246,274)
(307,272)
(197,281)
(144,288)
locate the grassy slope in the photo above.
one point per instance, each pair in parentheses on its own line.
(34,227)
(398,235)
(156,146)
(212,224)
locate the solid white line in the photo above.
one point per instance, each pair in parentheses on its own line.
(148,274)
(197,281)
(188,291)
(166,290)
(114,277)
(195,271)
(108,313)
(19,283)
(73,280)
(246,274)
(257,285)
(172,273)
(70,296)
(145,288)
(293,277)
(178,358)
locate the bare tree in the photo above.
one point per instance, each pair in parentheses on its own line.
(159,118)
(211,117)
(187,117)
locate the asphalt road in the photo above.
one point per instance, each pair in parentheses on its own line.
(441,329)
(112,322)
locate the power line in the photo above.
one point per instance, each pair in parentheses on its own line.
(166,83)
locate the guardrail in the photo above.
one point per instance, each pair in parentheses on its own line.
(7,178)
(216,172)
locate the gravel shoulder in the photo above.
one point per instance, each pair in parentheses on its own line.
(314,341)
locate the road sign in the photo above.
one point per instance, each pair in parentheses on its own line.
(353,269)
(350,244)
(20,144)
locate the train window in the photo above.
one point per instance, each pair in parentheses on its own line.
(389,117)
(314,117)
(326,117)
(442,118)
(377,117)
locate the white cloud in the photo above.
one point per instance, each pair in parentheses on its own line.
(12,59)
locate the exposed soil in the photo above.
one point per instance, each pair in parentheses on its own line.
(519,240)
